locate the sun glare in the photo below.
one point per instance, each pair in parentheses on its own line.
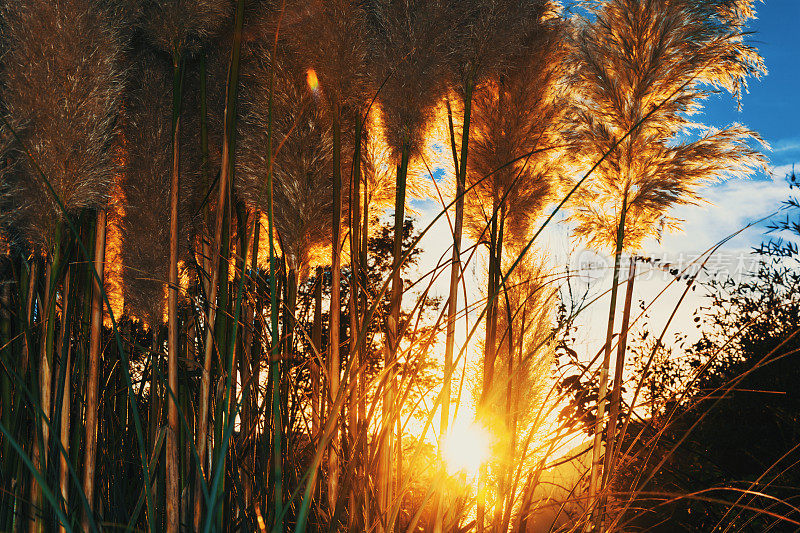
(466,448)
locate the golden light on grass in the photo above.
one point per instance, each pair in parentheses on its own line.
(114,282)
(311,78)
(466,448)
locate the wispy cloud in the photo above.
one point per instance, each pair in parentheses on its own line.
(785,152)
(786,145)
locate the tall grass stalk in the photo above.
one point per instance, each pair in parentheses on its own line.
(334,360)
(173,482)
(92,385)
(47,310)
(96,278)
(64,349)
(276,468)
(609,458)
(223,206)
(455,270)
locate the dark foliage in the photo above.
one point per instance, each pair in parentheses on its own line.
(732,436)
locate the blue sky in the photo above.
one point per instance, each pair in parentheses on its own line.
(772,108)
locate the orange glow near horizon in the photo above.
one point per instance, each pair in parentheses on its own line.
(311,78)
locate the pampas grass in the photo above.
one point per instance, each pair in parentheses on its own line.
(332,39)
(517,118)
(643,68)
(408,57)
(303,198)
(145,189)
(182,26)
(487,39)
(62,86)
(291,130)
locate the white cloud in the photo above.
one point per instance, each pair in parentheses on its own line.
(732,205)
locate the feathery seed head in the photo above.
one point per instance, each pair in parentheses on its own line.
(330,37)
(525,318)
(516,125)
(179,26)
(489,35)
(302,188)
(146,188)
(645,66)
(409,46)
(62,80)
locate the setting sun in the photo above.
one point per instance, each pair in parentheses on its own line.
(466,448)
